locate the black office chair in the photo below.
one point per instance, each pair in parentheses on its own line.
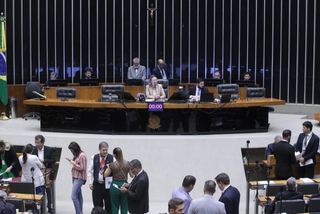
(67,93)
(232,89)
(32,87)
(19,203)
(290,206)
(109,92)
(308,189)
(314,205)
(254,93)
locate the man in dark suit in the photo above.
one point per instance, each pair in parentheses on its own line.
(289,194)
(307,144)
(269,149)
(138,191)
(162,70)
(5,207)
(99,185)
(284,154)
(230,195)
(46,157)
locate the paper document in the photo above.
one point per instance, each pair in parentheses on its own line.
(308,162)
(307,180)
(298,155)
(265,182)
(107,182)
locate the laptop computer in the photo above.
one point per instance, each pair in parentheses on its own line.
(206,97)
(225,98)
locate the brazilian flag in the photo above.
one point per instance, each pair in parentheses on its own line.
(3,63)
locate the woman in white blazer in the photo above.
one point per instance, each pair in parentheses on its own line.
(31,166)
(154,90)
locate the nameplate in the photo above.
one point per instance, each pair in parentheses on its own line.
(155,106)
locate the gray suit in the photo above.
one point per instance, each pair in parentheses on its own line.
(206,205)
(137,73)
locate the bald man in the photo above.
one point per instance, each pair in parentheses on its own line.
(162,70)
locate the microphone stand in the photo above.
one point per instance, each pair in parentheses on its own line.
(281,189)
(34,203)
(268,183)
(248,177)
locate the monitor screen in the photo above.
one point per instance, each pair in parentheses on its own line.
(137,82)
(89,82)
(245,83)
(213,82)
(58,82)
(179,96)
(123,95)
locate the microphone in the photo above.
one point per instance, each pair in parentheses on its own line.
(44,97)
(248,141)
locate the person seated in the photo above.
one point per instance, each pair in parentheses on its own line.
(88,73)
(154,90)
(53,76)
(162,70)
(5,207)
(217,75)
(289,194)
(246,76)
(318,194)
(195,91)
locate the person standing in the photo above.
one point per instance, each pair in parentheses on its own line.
(307,144)
(284,155)
(183,192)
(99,185)
(230,195)
(137,71)
(119,169)
(175,206)
(31,166)
(162,70)
(269,149)
(9,164)
(46,157)
(207,204)
(138,190)
(79,175)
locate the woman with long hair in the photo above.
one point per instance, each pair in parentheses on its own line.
(154,90)
(31,167)
(119,169)
(79,175)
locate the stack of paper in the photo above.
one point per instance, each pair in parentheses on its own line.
(307,180)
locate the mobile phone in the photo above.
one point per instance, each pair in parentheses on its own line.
(116,186)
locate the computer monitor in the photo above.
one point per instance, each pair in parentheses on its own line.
(213,82)
(245,83)
(136,82)
(21,187)
(58,82)
(206,97)
(179,96)
(89,82)
(124,96)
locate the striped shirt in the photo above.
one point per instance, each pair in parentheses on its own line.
(79,169)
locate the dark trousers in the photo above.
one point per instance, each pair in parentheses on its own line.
(306,171)
(48,191)
(100,196)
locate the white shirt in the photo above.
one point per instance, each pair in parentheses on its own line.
(41,153)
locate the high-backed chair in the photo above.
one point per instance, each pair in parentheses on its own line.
(232,89)
(109,91)
(314,205)
(253,93)
(290,206)
(70,93)
(273,189)
(19,204)
(308,189)
(163,82)
(32,87)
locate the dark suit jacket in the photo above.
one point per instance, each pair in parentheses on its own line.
(269,150)
(193,89)
(138,194)
(48,156)
(9,208)
(231,199)
(284,154)
(311,149)
(11,159)
(157,73)
(286,195)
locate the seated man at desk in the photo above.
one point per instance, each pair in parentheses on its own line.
(195,91)
(154,90)
(137,71)
(5,207)
(88,73)
(289,194)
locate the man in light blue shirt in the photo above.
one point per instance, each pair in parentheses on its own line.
(183,192)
